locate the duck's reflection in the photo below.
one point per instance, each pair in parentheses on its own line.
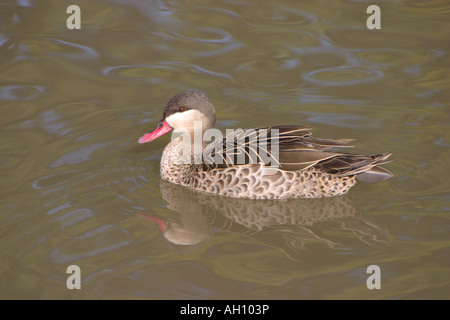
(285,224)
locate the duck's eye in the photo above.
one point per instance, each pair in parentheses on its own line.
(181,109)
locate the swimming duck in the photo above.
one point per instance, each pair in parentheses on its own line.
(295,165)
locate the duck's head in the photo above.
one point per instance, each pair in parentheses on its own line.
(182,112)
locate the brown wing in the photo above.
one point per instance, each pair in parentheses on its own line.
(292,148)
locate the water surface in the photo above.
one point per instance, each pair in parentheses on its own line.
(76,188)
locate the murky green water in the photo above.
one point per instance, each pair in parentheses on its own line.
(77,189)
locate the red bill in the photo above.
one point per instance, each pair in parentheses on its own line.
(162,128)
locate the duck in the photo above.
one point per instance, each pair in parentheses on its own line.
(275,163)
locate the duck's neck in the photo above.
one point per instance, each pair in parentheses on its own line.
(179,158)
(189,148)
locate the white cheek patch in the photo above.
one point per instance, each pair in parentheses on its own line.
(184,120)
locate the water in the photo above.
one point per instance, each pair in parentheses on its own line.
(76,188)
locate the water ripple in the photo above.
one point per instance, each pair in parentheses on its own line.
(21,92)
(217,41)
(73,51)
(343,76)
(153,72)
(344,120)
(78,155)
